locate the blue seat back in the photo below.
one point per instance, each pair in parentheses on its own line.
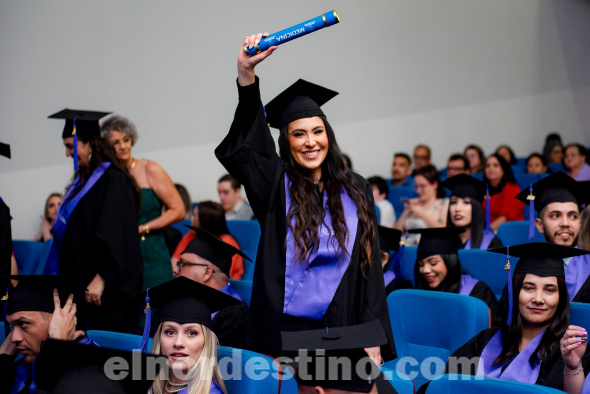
(478,176)
(400,382)
(487,267)
(117,340)
(288,383)
(378,213)
(516,233)
(248,372)
(555,167)
(580,314)
(31,256)
(524,179)
(247,233)
(181,226)
(423,330)
(243,288)
(476,384)
(408,261)
(395,195)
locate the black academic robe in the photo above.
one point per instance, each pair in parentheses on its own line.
(229,325)
(398,283)
(5,239)
(248,153)
(101,238)
(484,293)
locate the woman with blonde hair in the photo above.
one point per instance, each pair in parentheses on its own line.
(183,334)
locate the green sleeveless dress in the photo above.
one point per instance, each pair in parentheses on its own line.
(154,253)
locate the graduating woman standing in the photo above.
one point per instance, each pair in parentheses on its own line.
(318,263)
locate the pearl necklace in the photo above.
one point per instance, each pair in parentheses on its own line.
(181,385)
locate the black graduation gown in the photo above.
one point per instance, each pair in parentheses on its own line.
(101,237)
(484,293)
(248,153)
(5,239)
(398,283)
(229,324)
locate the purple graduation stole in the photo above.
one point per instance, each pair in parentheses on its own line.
(576,274)
(388,277)
(467,284)
(519,370)
(309,289)
(215,389)
(63,215)
(227,289)
(488,235)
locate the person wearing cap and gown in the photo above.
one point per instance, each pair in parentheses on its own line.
(207,260)
(38,308)
(527,346)
(438,267)
(95,238)
(389,240)
(466,210)
(183,333)
(318,261)
(334,360)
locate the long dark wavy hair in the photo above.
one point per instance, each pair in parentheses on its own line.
(478,221)
(511,334)
(101,151)
(450,284)
(307,204)
(508,176)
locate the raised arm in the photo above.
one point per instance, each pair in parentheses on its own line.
(246,65)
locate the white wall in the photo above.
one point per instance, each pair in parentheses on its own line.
(443,72)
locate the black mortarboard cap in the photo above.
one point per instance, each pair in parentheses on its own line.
(86,122)
(438,240)
(301,100)
(463,185)
(213,249)
(35,292)
(4,150)
(183,300)
(329,347)
(557,187)
(65,367)
(389,238)
(540,258)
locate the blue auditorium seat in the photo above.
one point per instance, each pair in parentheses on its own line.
(378,213)
(400,382)
(31,256)
(555,167)
(181,226)
(487,267)
(524,179)
(248,372)
(521,162)
(423,330)
(516,233)
(395,195)
(471,384)
(478,176)
(408,261)
(243,288)
(247,233)
(580,314)
(117,340)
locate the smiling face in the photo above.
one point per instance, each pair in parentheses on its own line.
(29,330)
(460,211)
(494,171)
(182,344)
(560,223)
(433,269)
(308,143)
(122,144)
(538,300)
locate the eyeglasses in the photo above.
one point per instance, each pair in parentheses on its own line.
(572,154)
(181,263)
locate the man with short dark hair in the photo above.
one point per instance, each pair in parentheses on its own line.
(230,198)
(401,169)
(457,164)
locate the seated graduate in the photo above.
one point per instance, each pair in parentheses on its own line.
(466,210)
(526,347)
(183,333)
(389,240)
(333,360)
(575,356)
(65,367)
(438,267)
(207,260)
(36,311)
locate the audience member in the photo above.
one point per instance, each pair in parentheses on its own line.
(575,162)
(507,153)
(389,241)
(438,268)
(49,214)
(401,169)
(380,192)
(536,164)
(230,197)
(421,156)
(457,164)
(209,216)
(553,149)
(157,191)
(186,199)
(429,209)
(504,207)
(476,158)
(207,260)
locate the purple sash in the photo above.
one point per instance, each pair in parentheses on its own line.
(227,289)
(576,274)
(309,290)
(63,215)
(215,389)
(388,277)
(519,370)
(586,386)
(488,235)
(467,284)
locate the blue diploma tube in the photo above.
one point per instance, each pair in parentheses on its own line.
(325,20)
